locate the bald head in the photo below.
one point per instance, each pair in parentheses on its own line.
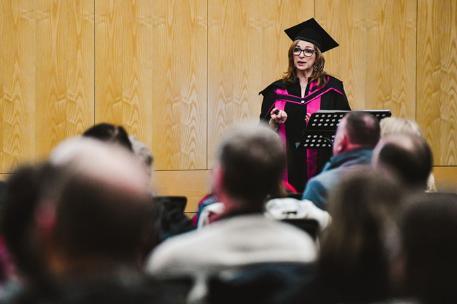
(356,130)
(101,162)
(103,206)
(406,156)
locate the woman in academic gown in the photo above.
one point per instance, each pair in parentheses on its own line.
(305,89)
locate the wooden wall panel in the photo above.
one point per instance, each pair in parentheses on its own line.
(376,59)
(151,76)
(437,77)
(446,178)
(247,51)
(47,75)
(64,70)
(17,82)
(194,184)
(179,82)
(123,65)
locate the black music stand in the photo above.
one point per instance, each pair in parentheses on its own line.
(321,128)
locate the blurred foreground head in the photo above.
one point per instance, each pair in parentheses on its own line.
(354,257)
(405,156)
(251,160)
(99,212)
(397,125)
(429,243)
(24,189)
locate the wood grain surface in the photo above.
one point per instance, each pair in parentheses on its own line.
(17,83)
(376,59)
(64,71)
(179,97)
(437,77)
(123,65)
(151,76)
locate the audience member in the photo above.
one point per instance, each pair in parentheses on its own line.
(354,259)
(106,189)
(209,208)
(110,133)
(303,214)
(23,192)
(251,161)
(429,246)
(396,125)
(171,222)
(406,156)
(356,136)
(89,212)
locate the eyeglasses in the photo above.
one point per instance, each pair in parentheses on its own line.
(306,52)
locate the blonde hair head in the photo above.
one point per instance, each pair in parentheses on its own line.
(395,125)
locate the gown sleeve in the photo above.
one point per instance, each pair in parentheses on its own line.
(267,103)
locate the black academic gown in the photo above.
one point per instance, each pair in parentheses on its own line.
(302,163)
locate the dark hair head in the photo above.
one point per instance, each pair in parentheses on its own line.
(109,133)
(362,128)
(407,156)
(252,159)
(429,242)
(353,255)
(25,187)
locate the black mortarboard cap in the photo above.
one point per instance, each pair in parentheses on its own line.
(311,31)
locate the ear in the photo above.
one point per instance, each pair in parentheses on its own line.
(340,144)
(344,142)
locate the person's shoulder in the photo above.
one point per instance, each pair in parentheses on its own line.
(274,85)
(170,256)
(319,179)
(181,254)
(314,185)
